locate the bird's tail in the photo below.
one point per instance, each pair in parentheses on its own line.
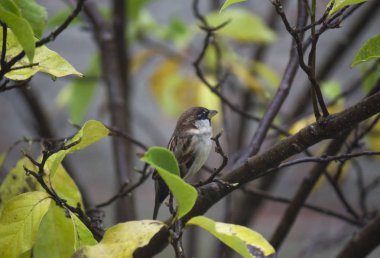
(162,191)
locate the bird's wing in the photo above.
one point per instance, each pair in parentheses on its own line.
(182,147)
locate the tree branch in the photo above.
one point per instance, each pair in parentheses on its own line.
(363,243)
(256,166)
(315,208)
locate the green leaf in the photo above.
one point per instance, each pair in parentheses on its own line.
(20,221)
(91,132)
(65,186)
(340,4)
(123,239)
(230,2)
(244,241)
(79,94)
(60,236)
(166,165)
(162,158)
(331,89)
(369,51)
(22,30)
(47,61)
(82,235)
(134,8)
(34,13)
(16,182)
(243,26)
(10,6)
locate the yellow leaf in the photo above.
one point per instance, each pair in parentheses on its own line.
(20,221)
(243,240)
(47,61)
(123,239)
(17,182)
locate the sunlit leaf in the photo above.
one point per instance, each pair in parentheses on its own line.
(369,51)
(56,235)
(82,235)
(22,33)
(123,239)
(243,240)
(20,221)
(230,2)
(60,236)
(48,61)
(10,6)
(34,13)
(91,132)
(340,4)
(162,158)
(243,26)
(166,165)
(65,186)
(16,182)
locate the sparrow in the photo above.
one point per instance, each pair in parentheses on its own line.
(191,145)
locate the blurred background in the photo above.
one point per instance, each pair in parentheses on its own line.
(165,32)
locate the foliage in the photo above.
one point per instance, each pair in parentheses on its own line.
(369,51)
(42,213)
(227,3)
(244,241)
(11,14)
(20,221)
(123,239)
(166,165)
(340,4)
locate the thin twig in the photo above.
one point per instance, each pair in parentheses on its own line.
(46,39)
(219,150)
(214,88)
(39,176)
(315,208)
(116,132)
(176,239)
(4,45)
(124,191)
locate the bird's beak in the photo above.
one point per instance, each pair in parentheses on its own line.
(212,113)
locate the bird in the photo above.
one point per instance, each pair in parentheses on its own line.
(191,145)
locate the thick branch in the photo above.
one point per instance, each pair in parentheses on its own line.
(256,166)
(113,61)
(364,242)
